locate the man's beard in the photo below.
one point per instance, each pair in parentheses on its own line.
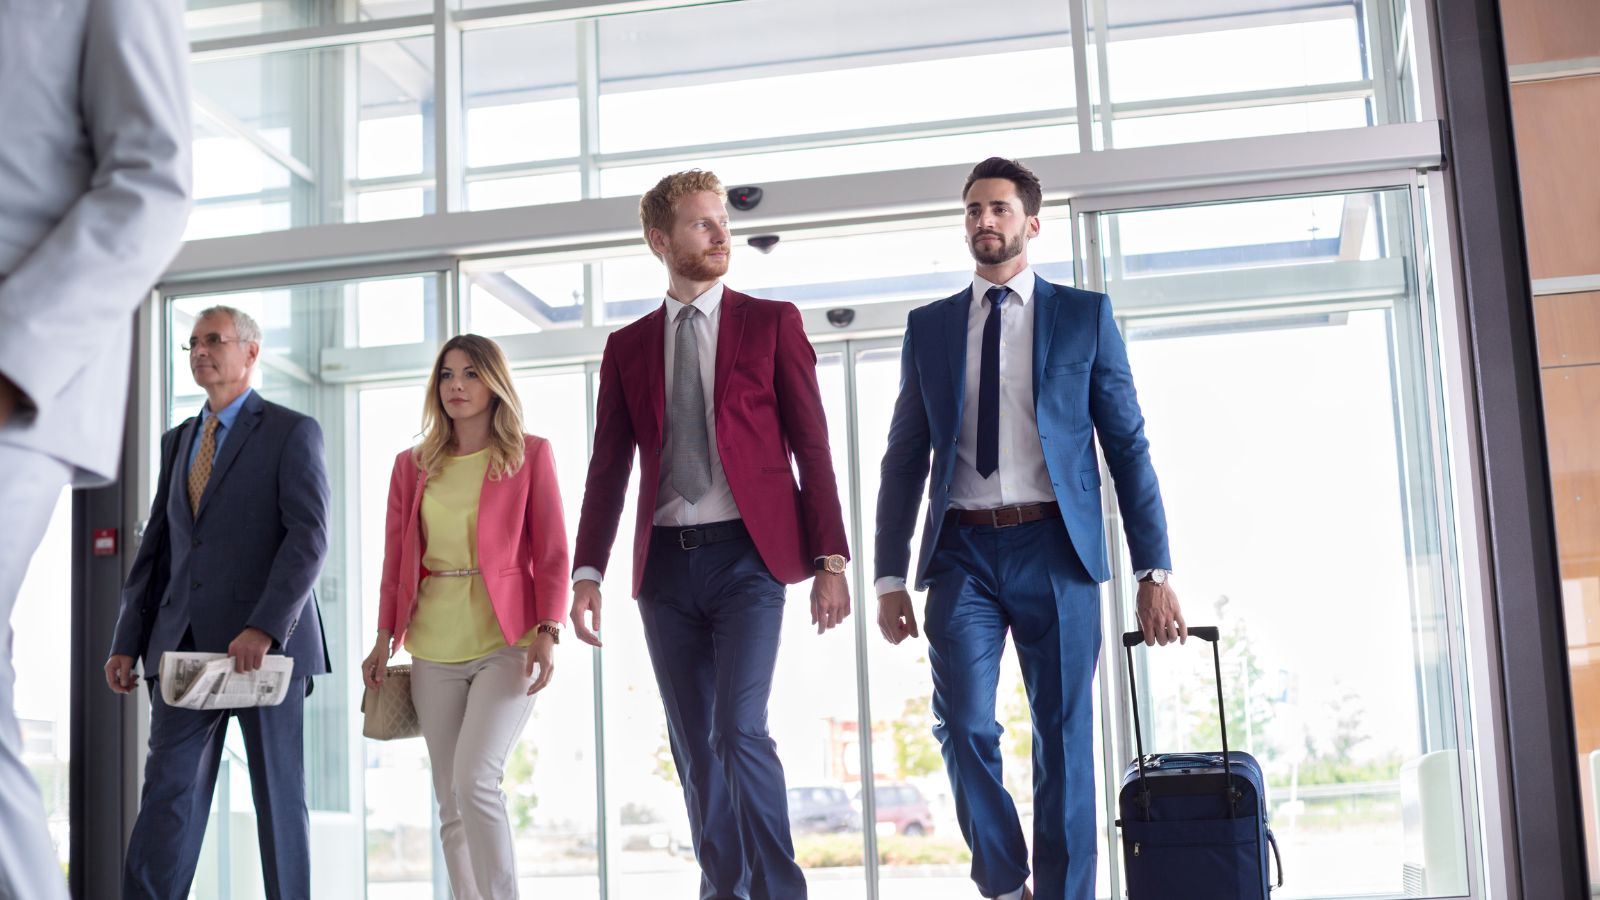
(1008,249)
(699,267)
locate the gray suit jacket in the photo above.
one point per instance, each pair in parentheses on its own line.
(251,554)
(94,194)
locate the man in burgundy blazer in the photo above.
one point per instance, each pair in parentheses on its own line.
(717,391)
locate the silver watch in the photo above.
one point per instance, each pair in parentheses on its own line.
(1156,576)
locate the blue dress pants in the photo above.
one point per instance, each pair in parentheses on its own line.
(712,619)
(1026,578)
(180,775)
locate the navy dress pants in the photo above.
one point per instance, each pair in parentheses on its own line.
(180,775)
(1027,579)
(712,619)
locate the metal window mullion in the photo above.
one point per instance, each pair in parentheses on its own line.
(860,585)
(1102,58)
(843,137)
(1079,16)
(315,38)
(1455,658)
(540,11)
(1198,103)
(1379,21)
(588,81)
(448,135)
(591,371)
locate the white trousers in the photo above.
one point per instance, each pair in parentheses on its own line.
(471,715)
(30,485)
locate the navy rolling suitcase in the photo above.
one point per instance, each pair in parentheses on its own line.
(1194,825)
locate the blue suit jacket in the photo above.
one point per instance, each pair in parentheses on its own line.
(249,556)
(1081,386)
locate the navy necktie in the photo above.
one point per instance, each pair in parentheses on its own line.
(989,385)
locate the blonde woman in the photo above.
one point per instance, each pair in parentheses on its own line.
(475,584)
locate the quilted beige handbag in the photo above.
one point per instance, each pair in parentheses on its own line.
(387,714)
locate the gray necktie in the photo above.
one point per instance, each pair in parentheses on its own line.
(691,463)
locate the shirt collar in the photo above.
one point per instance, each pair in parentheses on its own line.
(1021,286)
(229,413)
(707,303)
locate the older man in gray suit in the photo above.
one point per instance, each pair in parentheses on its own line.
(237,536)
(94,187)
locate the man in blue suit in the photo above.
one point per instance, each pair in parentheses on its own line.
(236,539)
(1007,383)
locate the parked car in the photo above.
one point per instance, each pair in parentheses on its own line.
(821,810)
(903,807)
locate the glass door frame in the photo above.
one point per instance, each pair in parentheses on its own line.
(1439,405)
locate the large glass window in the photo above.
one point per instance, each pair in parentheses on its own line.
(819,76)
(275,146)
(1279,359)
(211,19)
(315,339)
(1212,71)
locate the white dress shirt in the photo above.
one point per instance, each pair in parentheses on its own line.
(717,504)
(1021,476)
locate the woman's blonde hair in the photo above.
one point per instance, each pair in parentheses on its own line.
(505,429)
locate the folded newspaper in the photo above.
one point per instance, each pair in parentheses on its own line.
(208,681)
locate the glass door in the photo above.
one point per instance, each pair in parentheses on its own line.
(1279,350)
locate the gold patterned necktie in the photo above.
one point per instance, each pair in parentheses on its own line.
(200,472)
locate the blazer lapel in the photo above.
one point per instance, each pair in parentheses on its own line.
(249,416)
(955,350)
(178,478)
(653,358)
(1045,306)
(729,333)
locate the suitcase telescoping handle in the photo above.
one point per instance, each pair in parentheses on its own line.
(1210,633)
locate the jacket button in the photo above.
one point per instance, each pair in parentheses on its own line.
(196,543)
(195,586)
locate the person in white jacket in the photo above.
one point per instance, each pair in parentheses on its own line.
(94,195)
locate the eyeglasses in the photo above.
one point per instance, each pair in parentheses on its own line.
(211,342)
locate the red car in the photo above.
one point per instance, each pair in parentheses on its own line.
(903,806)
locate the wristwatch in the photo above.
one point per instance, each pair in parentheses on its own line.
(1156,576)
(551,629)
(833,563)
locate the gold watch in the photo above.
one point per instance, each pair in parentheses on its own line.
(553,630)
(833,563)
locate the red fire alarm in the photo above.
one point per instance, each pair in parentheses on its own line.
(105,542)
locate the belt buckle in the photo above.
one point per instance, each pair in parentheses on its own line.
(1015,516)
(689,538)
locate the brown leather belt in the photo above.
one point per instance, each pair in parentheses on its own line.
(1005,516)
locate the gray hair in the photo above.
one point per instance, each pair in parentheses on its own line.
(247,328)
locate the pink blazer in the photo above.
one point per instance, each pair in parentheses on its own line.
(522,545)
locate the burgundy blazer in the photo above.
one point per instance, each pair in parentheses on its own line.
(768,409)
(522,545)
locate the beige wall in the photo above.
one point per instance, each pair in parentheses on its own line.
(1557,126)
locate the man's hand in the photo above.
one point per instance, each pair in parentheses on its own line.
(249,649)
(1160,618)
(8,401)
(896,619)
(830,600)
(586,598)
(541,653)
(119,673)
